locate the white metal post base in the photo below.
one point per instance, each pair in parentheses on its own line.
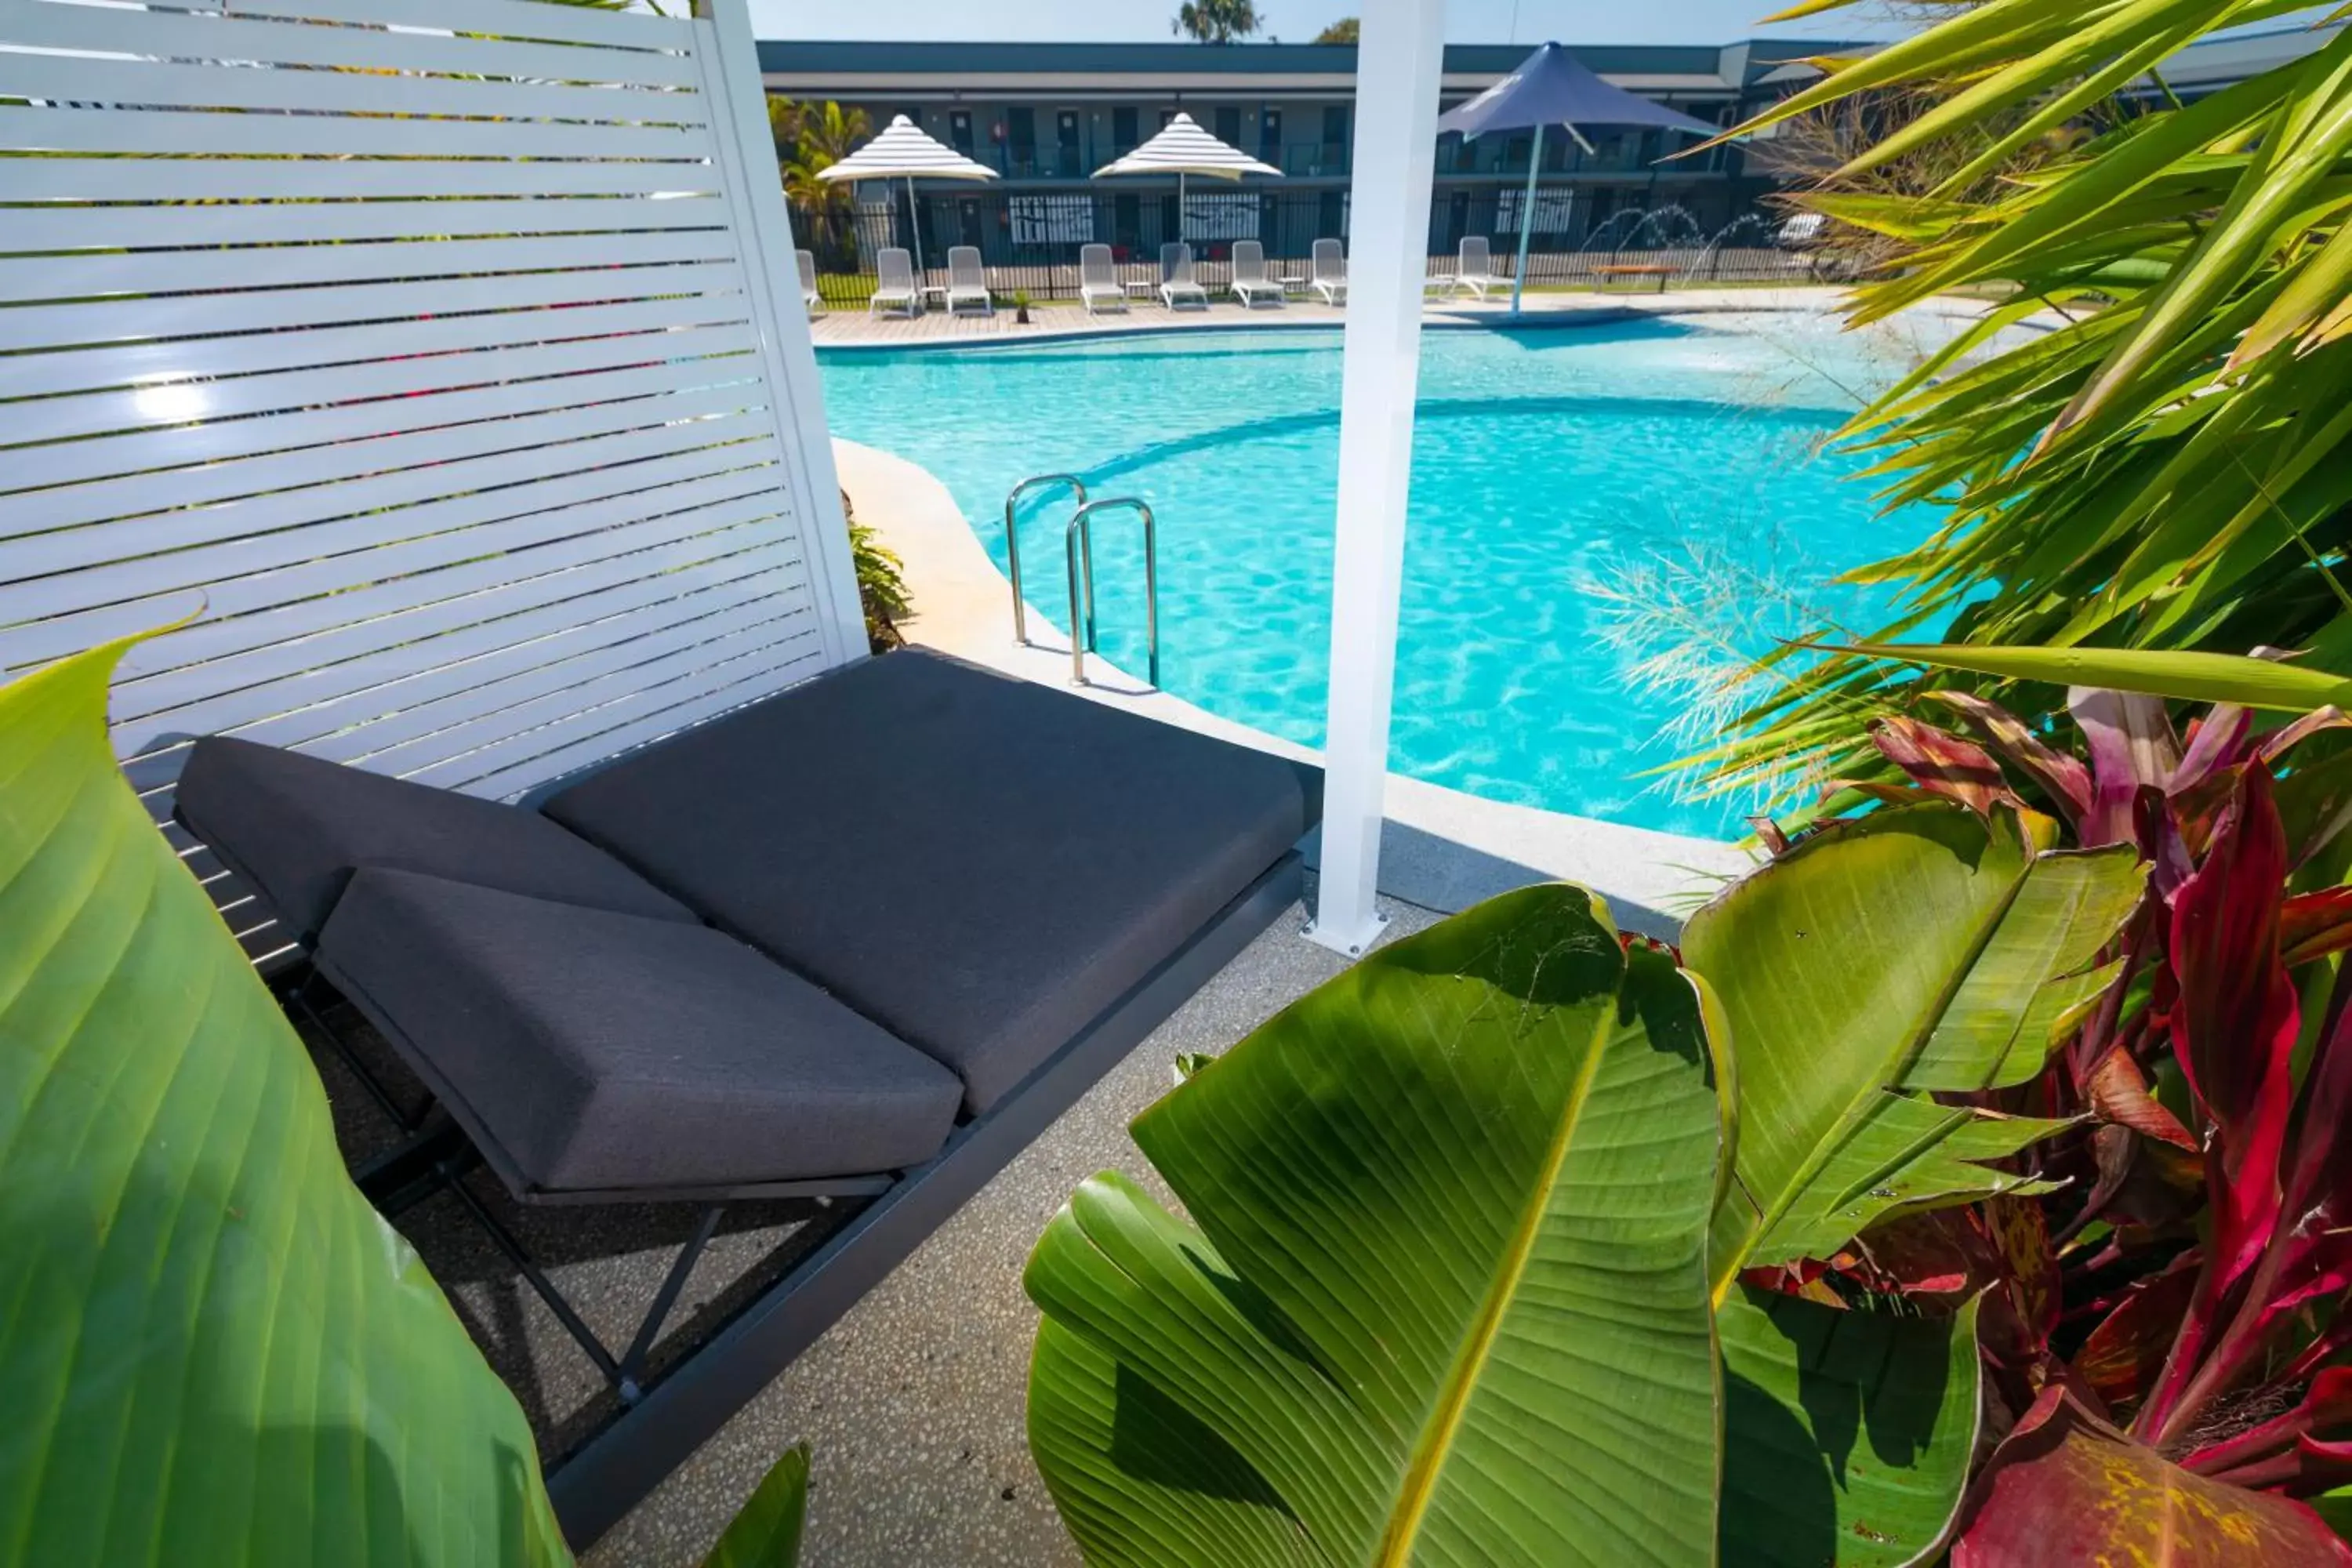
(1352,942)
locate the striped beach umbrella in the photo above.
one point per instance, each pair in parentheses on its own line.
(1182,148)
(903,151)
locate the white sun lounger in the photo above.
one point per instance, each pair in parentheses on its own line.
(1176,279)
(893,283)
(806,262)
(1474,268)
(1250,281)
(1329,278)
(967,281)
(1098,286)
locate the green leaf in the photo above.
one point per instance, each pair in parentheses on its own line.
(767,1533)
(214,1351)
(1446,1301)
(2159,672)
(1917,949)
(1847,1434)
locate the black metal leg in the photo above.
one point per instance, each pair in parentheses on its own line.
(539,1282)
(303,998)
(633,1362)
(403,1176)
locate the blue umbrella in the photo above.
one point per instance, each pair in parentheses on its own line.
(1552,87)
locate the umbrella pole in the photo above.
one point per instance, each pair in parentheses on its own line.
(1526,220)
(915,224)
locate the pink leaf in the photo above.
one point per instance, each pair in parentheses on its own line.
(2065,780)
(2234,1023)
(1942,763)
(2131,743)
(2065,1489)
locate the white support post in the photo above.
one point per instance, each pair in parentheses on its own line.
(755,196)
(1397,69)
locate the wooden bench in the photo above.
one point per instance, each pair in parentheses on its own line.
(1630,270)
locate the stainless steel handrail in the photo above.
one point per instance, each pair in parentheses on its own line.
(1012,541)
(1078,548)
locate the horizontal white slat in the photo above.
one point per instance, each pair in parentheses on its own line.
(509,18)
(543,619)
(85,80)
(230,440)
(273,133)
(114,320)
(250,179)
(345,651)
(235,579)
(487,475)
(413,338)
(500,710)
(264,223)
(98,412)
(341,465)
(786,663)
(77,277)
(222,635)
(607,704)
(49,24)
(121,364)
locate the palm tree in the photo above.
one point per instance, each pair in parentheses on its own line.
(810,138)
(1216,21)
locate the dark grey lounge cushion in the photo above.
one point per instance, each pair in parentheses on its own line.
(978,863)
(601,1050)
(298,825)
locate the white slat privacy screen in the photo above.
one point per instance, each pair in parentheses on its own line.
(430,353)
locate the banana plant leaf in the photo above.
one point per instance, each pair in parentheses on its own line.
(767,1533)
(214,1351)
(1847,1434)
(1443,1296)
(1916,949)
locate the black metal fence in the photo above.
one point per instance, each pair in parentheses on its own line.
(1029,242)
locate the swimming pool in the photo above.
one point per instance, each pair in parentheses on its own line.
(1584,501)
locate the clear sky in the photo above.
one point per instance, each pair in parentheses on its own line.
(1297,21)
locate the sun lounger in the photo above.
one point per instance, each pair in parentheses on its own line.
(806,262)
(1329,278)
(893,283)
(1098,284)
(967,281)
(1176,279)
(768,957)
(1473,266)
(1250,281)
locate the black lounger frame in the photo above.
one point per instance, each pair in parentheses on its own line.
(659,1424)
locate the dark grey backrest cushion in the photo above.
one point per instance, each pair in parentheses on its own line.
(297,826)
(595,1051)
(978,863)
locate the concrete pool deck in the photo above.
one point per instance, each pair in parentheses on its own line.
(849,327)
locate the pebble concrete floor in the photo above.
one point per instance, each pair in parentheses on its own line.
(913,1405)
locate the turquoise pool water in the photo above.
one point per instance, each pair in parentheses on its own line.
(1602,520)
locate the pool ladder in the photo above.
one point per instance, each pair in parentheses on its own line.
(1078,549)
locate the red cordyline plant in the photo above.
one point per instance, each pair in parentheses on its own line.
(2180,1293)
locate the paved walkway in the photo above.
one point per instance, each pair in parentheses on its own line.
(851,327)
